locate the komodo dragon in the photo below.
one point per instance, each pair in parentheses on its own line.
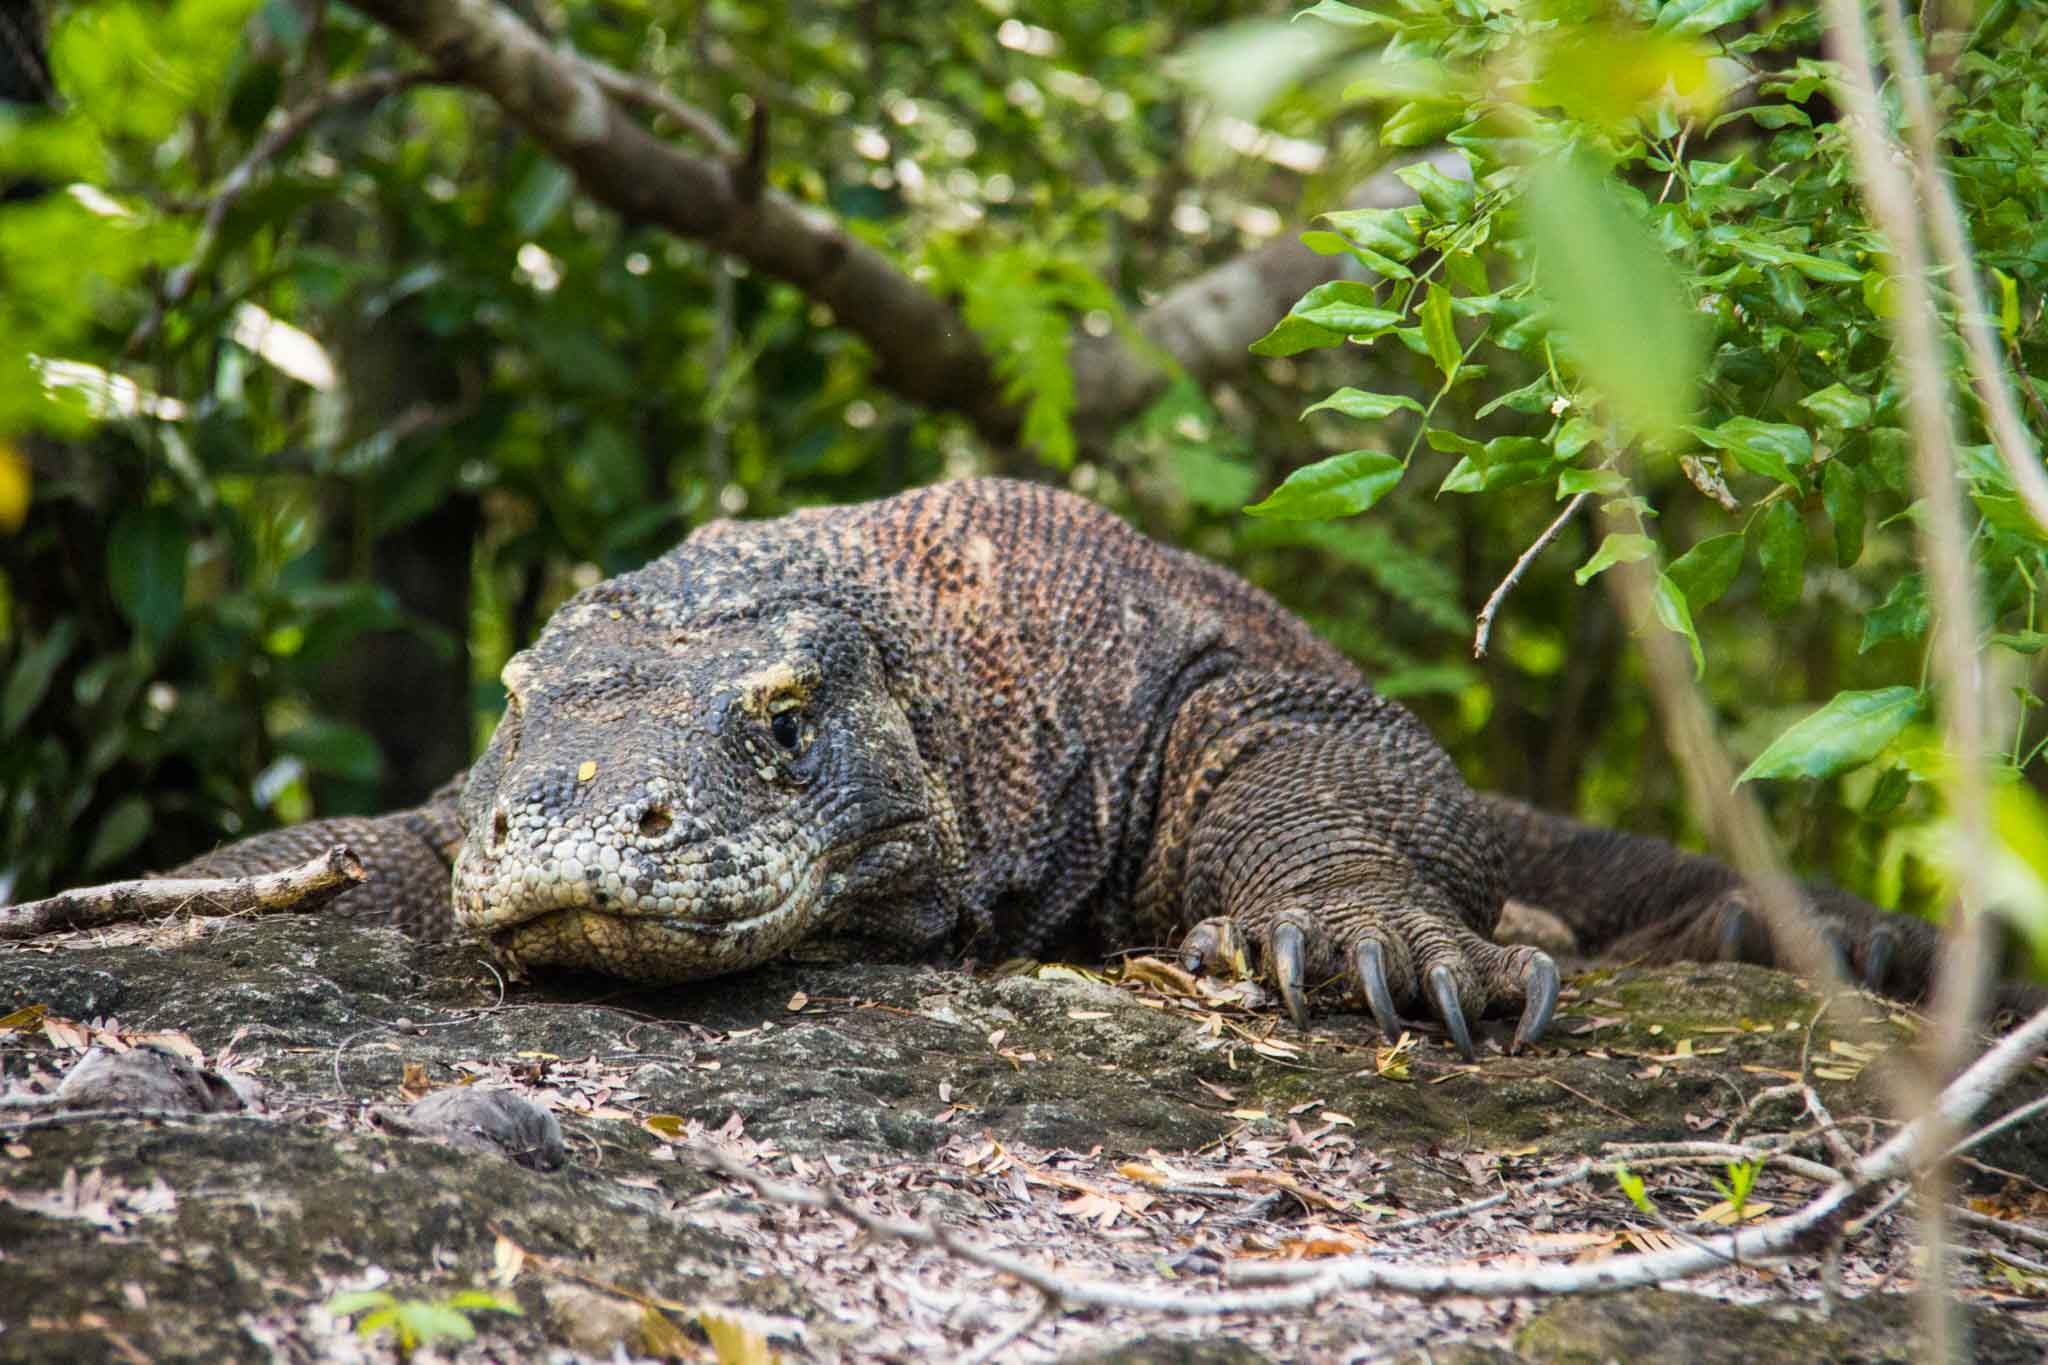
(987,717)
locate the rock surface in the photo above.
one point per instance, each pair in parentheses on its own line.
(1108,1131)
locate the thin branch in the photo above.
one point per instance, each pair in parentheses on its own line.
(303,887)
(1952,246)
(1484,630)
(282,134)
(1944,540)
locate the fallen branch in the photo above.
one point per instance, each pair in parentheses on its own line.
(1812,1228)
(304,887)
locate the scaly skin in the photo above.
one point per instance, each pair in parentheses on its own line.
(988,719)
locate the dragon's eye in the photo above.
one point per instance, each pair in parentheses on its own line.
(787,728)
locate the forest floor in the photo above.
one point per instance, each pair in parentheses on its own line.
(1123,1127)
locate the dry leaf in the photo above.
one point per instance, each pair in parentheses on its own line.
(796,1002)
(508,1258)
(24,1020)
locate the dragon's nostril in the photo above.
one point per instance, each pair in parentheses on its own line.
(655,822)
(500,827)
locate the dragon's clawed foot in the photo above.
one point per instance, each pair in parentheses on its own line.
(1457,972)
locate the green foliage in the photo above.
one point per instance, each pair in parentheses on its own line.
(417,390)
(1741,1180)
(1675,303)
(1632,1186)
(413,1323)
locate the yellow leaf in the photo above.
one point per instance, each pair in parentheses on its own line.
(26,1018)
(587,771)
(669,1126)
(797,1002)
(664,1340)
(734,1342)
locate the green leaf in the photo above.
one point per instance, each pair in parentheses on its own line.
(1781,547)
(1437,332)
(1841,491)
(1704,572)
(30,678)
(1443,196)
(2008,305)
(1614,295)
(146,556)
(1294,334)
(123,828)
(1386,232)
(2021,641)
(1367,407)
(1669,601)
(1337,487)
(1848,732)
(1574,436)
(1605,482)
(1451,443)
(1767,448)
(1702,16)
(1343,15)
(1620,547)
(1901,616)
(1838,408)
(1350,318)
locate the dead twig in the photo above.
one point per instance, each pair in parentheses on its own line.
(1484,629)
(304,887)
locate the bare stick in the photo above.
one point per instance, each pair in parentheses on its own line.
(303,887)
(1507,585)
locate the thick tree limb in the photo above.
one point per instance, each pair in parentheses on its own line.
(927,353)
(304,887)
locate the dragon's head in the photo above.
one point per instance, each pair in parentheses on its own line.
(673,795)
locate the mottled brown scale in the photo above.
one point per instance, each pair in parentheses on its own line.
(988,718)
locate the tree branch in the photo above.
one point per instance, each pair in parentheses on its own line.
(304,887)
(926,351)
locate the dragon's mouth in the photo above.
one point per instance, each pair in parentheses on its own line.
(660,947)
(578,925)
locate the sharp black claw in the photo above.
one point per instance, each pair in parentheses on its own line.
(1368,963)
(1734,932)
(1838,947)
(1541,983)
(1287,972)
(1877,958)
(1445,990)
